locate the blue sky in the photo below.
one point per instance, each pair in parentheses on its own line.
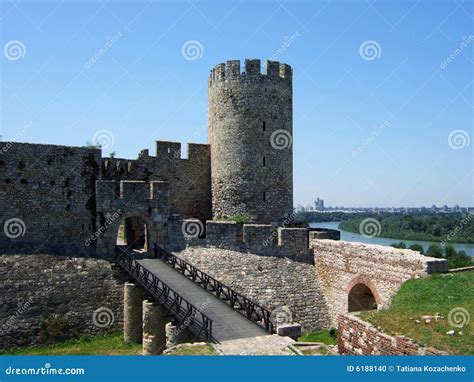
(390,125)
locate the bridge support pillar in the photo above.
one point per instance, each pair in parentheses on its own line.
(176,335)
(132,313)
(154,335)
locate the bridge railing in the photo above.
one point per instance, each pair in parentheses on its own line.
(185,313)
(236,300)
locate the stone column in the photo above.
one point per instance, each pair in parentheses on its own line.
(176,336)
(154,335)
(132,313)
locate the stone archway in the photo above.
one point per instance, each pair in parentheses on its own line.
(108,239)
(134,234)
(361,295)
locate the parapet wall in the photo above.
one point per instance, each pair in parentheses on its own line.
(231,70)
(259,239)
(357,337)
(47,193)
(189,179)
(341,265)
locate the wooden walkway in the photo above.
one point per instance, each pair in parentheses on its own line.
(227,323)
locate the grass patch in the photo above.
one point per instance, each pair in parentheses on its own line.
(111,344)
(239,219)
(321,351)
(328,337)
(205,349)
(440,293)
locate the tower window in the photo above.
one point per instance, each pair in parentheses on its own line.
(263,125)
(264,196)
(263,161)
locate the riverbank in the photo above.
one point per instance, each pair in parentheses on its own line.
(355,237)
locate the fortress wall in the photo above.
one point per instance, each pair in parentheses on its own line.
(258,239)
(189,179)
(341,265)
(357,337)
(51,189)
(274,283)
(71,289)
(116,201)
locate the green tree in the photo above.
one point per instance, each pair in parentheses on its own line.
(400,245)
(417,247)
(449,251)
(459,260)
(434,250)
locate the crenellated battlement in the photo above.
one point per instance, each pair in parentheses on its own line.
(231,70)
(130,190)
(259,239)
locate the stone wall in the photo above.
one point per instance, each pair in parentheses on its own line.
(250,131)
(277,284)
(341,265)
(357,337)
(257,239)
(189,179)
(85,295)
(47,198)
(145,201)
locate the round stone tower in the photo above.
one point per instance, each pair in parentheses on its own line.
(250,126)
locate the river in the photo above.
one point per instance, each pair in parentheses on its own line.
(350,236)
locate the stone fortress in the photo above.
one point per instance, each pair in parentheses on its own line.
(71,201)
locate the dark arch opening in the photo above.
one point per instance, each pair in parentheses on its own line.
(361,298)
(133,232)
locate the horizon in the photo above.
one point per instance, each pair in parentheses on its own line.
(382,92)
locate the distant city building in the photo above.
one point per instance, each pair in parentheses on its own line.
(319,205)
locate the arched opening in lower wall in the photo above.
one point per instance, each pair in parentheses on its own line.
(133,232)
(361,298)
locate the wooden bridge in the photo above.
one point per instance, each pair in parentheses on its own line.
(208,308)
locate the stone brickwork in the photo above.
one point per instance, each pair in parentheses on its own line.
(342,265)
(73,290)
(357,337)
(250,131)
(124,199)
(50,189)
(277,284)
(257,239)
(189,179)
